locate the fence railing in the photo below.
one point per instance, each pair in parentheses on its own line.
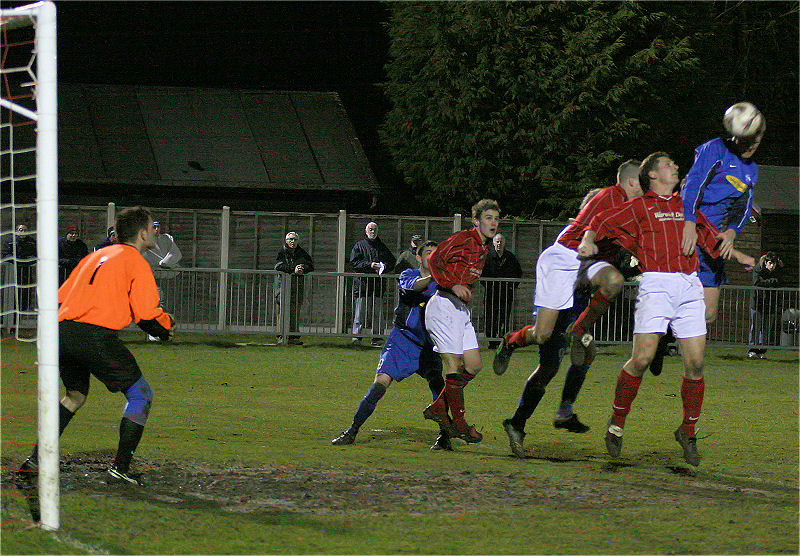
(325,304)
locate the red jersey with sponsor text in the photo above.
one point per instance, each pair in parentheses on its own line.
(651,227)
(459,259)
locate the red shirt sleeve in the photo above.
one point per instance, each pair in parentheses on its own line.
(707,235)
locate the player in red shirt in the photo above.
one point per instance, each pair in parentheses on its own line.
(557,272)
(456,266)
(670,293)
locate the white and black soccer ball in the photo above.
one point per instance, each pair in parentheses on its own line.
(743,119)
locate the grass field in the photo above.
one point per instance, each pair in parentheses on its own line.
(238,459)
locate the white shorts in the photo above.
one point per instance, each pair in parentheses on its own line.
(556,274)
(449,323)
(670,299)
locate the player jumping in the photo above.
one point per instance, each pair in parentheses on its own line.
(670,292)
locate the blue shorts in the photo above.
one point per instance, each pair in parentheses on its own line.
(402,357)
(711,271)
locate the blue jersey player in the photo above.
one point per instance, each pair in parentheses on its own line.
(407,350)
(720,185)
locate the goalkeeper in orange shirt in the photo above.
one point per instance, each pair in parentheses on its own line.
(109,288)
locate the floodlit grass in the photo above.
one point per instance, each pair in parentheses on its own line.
(237,452)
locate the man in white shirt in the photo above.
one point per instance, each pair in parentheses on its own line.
(162,256)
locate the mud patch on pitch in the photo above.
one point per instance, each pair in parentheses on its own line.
(334,490)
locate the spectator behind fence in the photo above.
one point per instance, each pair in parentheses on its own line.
(408,258)
(764,309)
(20,251)
(500,263)
(369,256)
(295,261)
(71,249)
(110,239)
(164,254)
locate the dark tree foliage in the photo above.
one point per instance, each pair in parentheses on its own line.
(535,103)
(529,103)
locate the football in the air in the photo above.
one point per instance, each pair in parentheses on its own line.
(743,119)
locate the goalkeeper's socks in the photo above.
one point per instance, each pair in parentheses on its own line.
(130,434)
(531,396)
(64,417)
(368,403)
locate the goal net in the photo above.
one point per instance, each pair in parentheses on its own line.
(29,258)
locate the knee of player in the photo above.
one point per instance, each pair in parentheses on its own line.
(612,283)
(383,379)
(641,361)
(693,367)
(540,336)
(73,400)
(473,368)
(140,399)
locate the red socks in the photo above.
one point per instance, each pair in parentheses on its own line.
(454,396)
(627,388)
(597,306)
(692,392)
(517,339)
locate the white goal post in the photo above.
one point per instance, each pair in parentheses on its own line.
(43,79)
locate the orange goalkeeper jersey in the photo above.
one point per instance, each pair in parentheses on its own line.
(109,288)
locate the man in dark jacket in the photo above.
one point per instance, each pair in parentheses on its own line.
(296,262)
(369,256)
(408,258)
(19,251)
(71,249)
(764,304)
(500,263)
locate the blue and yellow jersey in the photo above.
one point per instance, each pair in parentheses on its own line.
(720,185)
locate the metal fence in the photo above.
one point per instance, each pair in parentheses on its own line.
(250,300)
(324,304)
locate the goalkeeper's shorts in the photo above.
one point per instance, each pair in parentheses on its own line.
(87,349)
